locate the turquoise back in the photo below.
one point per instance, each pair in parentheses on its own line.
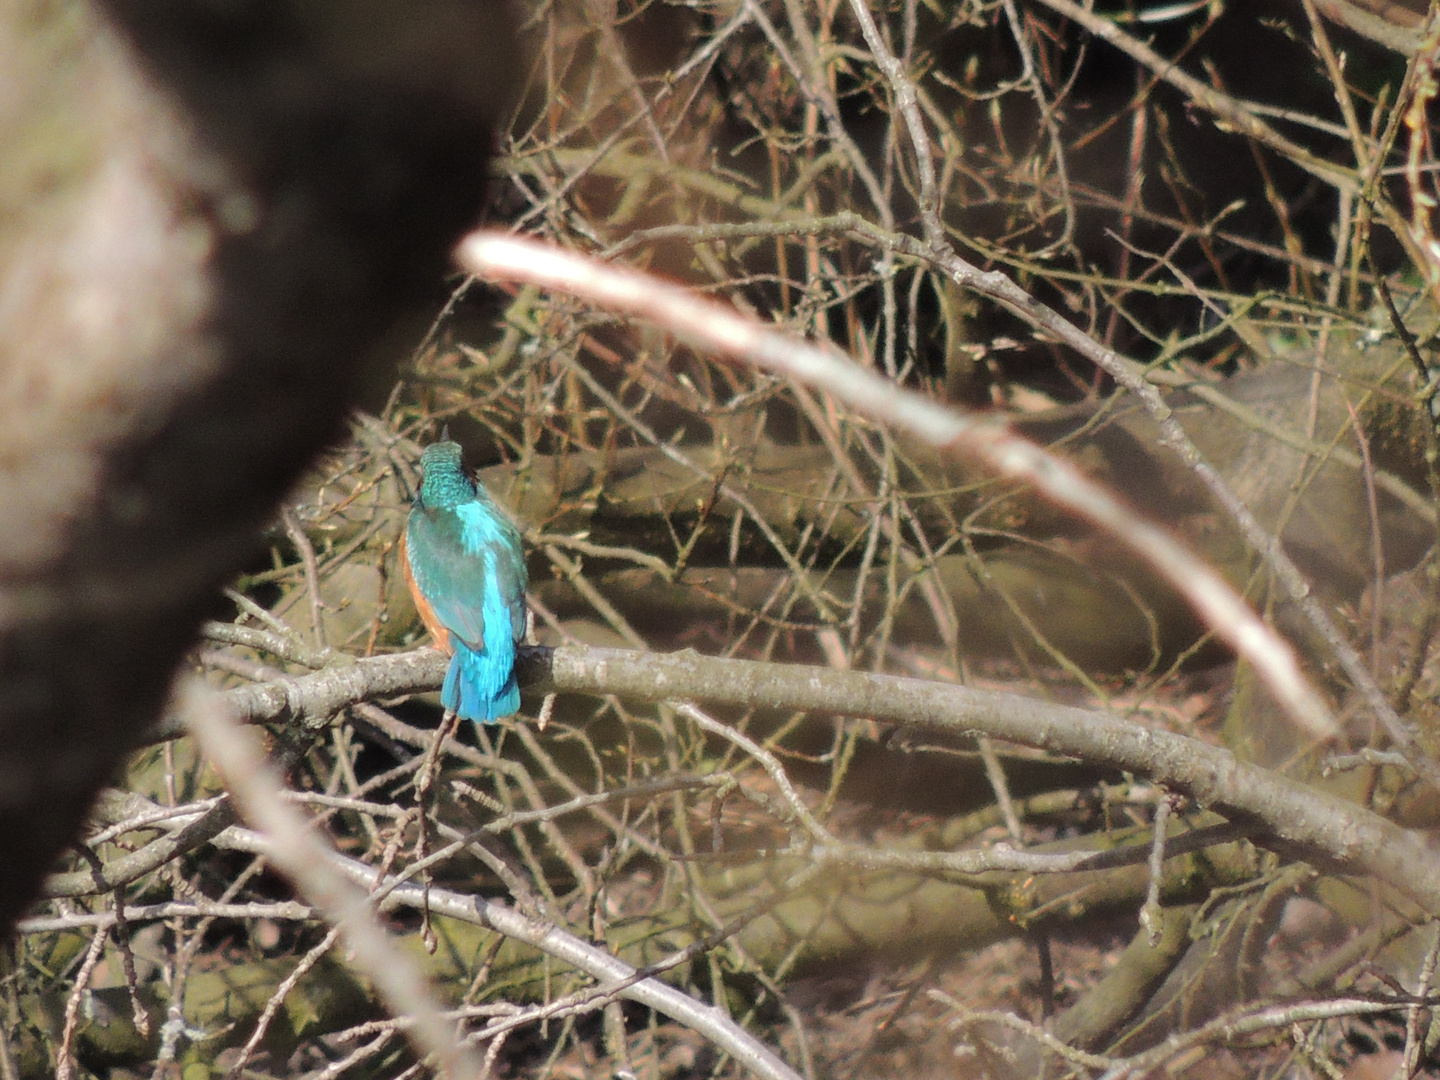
(468,561)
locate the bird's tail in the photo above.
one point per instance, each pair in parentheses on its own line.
(480,686)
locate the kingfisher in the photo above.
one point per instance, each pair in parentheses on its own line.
(465,566)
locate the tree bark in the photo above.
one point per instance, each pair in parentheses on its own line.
(210,216)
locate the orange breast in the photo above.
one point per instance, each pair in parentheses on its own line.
(422,605)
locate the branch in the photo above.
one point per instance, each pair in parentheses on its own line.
(1306,823)
(712,326)
(300,853)
(628,982)
(1229,112)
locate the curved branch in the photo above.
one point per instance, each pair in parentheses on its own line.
(613,973)
(708,325)
(1306,823)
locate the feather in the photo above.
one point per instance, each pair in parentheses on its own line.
(465,564)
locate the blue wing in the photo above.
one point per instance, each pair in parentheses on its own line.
(470,565)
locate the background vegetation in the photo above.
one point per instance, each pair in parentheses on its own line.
(1118,856)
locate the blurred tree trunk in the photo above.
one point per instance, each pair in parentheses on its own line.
(209,216)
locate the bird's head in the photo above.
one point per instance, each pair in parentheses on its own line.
(444,482)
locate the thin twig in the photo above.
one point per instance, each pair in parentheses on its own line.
(707,1020)
(296,850)
(497,256)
